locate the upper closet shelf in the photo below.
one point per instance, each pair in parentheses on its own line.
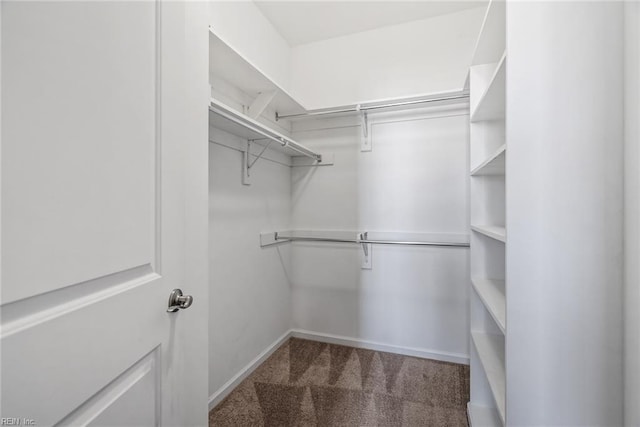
(229,120)
(491,105)
(439,99)
(229,65)
(491,41)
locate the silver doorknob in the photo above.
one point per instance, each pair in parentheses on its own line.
(178,301)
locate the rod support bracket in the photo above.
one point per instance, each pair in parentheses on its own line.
(365,140)
(366,249)
(365,246)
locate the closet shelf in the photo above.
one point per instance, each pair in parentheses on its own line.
(494,165)
(439,99)
(490,350)
(495,232)
(480,416)
(491,105)
(491,293)
(491,41)
(227,64)
(229,120)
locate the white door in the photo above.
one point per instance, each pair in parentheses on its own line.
(104,212)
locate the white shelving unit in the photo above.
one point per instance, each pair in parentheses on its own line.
(246,103)
(489,325)
(226,64)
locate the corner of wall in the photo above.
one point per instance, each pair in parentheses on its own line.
(242,25)
(632,216)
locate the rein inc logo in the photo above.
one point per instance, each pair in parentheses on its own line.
(6,421)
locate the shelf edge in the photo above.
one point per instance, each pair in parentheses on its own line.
(501,323)
(484,230)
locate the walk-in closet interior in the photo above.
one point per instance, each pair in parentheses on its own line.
(437,183)
(320,213)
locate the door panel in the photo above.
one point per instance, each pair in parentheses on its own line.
(80,102)
(132,399)
(104,212)
(61,362)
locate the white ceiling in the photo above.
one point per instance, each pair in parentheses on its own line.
(301,22)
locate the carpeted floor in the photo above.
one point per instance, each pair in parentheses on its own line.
(307,383)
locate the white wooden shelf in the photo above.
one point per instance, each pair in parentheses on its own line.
(229,65)
(491,41)
(479,416)
(492,296)
(491,105)
(487,85)
(493,231)
(223,117)
(494,165)
(490,350)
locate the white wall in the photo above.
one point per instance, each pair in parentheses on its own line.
(250,296)
(425,56)
(243,27)
(564,213)
(632,214)
(415,180)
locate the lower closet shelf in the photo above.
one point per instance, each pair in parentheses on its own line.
(479,416)
(490,349)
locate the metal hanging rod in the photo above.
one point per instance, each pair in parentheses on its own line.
(361,108)
(367,241)
(258,128)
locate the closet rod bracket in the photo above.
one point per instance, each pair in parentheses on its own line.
(363,238)
(247,164)
(365,142)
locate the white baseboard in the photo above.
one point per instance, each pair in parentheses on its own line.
(370,345)
(228,387)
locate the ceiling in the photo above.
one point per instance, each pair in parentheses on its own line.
(301,22)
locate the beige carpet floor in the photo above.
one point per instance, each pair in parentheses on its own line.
(307,383)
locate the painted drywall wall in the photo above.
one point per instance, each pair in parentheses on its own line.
(425,56)
(632,214)
(250,303)
(564,213)
(419,57)
(243,27)
(415,180)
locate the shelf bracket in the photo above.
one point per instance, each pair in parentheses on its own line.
(260,104)
(365,141)
(247,164)
(366,250)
